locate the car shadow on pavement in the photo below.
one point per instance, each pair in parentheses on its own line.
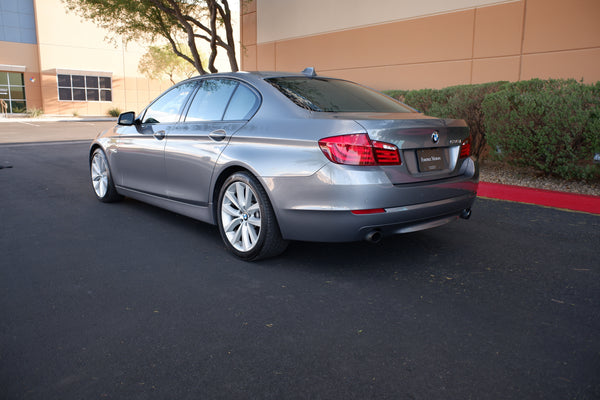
(405,252)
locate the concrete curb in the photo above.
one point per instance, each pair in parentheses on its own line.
(541,197)
(58,118)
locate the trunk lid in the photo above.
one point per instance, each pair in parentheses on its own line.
(429,147)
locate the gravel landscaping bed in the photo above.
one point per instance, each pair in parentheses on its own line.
(509,175)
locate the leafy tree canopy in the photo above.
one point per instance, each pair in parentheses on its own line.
(160,60)
(177,21)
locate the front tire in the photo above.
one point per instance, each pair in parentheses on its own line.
(102,182)
(246,219)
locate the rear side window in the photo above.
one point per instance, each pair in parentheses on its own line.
(334,95)
(222,99)
(211,100)
(243,104)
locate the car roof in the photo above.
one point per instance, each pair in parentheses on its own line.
(258,74)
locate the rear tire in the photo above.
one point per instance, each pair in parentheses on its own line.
(102,182)
(246,219)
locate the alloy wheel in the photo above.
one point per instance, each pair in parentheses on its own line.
(240,216)
(99,173)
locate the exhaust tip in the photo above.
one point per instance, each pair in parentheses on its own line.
(466,213)
(374,237)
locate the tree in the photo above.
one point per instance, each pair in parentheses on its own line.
(160,60)
(176,21)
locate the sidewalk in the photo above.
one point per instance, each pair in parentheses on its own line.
(52,128)
(57,118)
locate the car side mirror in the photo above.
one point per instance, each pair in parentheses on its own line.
(126,118)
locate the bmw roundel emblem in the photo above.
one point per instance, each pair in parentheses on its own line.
(435,137)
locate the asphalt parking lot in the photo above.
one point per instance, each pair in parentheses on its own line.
(127,301)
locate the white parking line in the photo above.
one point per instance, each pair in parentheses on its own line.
(28,123)
(44,143)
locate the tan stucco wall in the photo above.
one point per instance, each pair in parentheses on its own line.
(67,42)
(279,19)
(24,55)
(427,45)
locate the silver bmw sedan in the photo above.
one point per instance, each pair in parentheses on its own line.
(271,157)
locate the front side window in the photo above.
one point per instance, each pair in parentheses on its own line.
(334,95)
(168,107)
(84,87)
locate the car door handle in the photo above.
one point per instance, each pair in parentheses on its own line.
(160,135)
(218,135)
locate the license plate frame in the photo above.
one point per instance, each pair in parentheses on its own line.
(430,160)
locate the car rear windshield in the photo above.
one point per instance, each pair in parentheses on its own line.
(334,95)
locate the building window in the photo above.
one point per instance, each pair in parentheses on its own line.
(84,88)
(17,21)
(12,91)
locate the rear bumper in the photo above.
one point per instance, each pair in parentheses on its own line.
(343,226)
(319,208)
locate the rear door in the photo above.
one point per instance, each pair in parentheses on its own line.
(220,107)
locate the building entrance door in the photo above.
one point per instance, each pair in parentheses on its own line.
(12,93)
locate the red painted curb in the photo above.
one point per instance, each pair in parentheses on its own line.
(548,198)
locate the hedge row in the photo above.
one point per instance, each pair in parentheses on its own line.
(550,125)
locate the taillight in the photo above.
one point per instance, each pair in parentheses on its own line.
(386,154)
(465,148)
(358,149)
(369,211)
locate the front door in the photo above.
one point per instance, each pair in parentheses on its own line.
(140,153)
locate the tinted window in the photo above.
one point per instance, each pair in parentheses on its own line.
(84,88)
(167,108)
(105,82)
(332,95)
(91,81)
(78,94)
(78,81)
(92,95)
(64,94)
(211,100)
(242,105)
(105,95)
(64,80)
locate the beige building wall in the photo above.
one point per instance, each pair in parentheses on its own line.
(24,55)
(401,44)
(67,43)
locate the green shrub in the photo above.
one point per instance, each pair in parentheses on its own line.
(457,102)
(35,112)
(396,94)
(550,125)
(114,112)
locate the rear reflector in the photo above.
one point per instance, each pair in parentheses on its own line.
(370,211)
(358,149)
(465,148)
